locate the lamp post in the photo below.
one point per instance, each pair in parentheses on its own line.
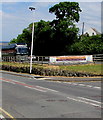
(31,8)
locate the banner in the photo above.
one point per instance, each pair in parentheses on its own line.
(71,59)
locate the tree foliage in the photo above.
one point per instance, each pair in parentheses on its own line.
(68,11)
(64,29)
(42,40)
(60,36)
(88,45)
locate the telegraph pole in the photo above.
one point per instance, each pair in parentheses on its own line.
(83,28)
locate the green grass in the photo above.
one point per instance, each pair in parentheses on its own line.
(86,68)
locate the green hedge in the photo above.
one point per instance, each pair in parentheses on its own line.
(46,71)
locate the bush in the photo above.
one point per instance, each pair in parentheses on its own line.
(45,71)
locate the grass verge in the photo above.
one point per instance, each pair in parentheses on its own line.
(87,68)
(84,68)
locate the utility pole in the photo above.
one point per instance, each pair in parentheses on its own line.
(31,8)
(83,28)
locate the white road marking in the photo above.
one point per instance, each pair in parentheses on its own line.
(59,82)
(97,87)
(68,82)
(89,86)
(47,88)
(90,100)
(43,78)
(18,81)
(81,84)
(63,82)
(38,88)
(39,79)
(75,84)
(35,89)
(78,99)
(1,116)
(84,85)
(54,81)
(8,82)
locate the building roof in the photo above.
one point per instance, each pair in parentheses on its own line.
(92,31)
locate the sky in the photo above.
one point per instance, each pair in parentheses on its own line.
(15,15)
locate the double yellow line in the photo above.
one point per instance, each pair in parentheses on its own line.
(6,113)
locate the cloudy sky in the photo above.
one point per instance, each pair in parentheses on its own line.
(15,15)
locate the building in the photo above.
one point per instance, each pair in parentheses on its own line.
(91,31)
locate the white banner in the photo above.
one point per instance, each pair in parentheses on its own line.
(71,59)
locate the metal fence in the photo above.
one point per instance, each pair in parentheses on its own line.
(41,59)
(35,59)
(98,58)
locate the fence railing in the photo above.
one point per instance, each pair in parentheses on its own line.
(35,59)
(44,59)
(41,59)
(98,58)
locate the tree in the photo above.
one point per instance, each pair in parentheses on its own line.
(64,29)
(13,41)
(88,45)
(25,37)
(68,11)
(52,38)
(42,40)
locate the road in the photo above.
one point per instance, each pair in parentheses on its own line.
(28,97)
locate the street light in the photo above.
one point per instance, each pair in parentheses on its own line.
(31,8)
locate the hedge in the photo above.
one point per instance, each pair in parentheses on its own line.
(46,71)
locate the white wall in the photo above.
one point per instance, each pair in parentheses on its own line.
(71,59)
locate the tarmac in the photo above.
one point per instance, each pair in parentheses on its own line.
(55,78)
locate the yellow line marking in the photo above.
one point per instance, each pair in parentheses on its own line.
(7,113)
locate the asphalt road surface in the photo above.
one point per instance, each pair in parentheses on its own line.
(28,97)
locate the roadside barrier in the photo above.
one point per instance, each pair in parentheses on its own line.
(97,58)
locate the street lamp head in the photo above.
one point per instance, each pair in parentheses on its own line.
(31,8)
